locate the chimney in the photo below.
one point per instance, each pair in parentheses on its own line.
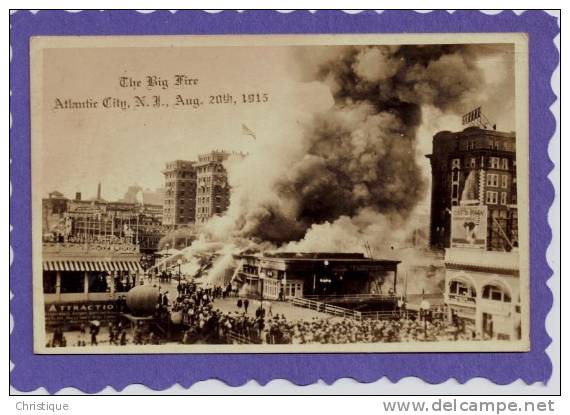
(99,191)
(78,196)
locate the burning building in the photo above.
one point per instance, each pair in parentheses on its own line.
(289,274)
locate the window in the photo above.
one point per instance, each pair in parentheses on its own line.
(455,175)
(504,181)
(97,283)
(493,180)
(494,162)
(50,280)
(503,198)
(473,163)
(505,164)
(492,198)
(456,163)
(495,293)
(460,288)
(454,190)
(72,282)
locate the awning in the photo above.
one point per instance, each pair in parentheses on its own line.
(108,266)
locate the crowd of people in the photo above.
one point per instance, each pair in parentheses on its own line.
(191,317)
(205,323)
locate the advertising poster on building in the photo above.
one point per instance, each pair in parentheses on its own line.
(469,227)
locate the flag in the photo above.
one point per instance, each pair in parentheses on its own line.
(247,131)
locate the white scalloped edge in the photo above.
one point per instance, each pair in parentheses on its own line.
(407,384)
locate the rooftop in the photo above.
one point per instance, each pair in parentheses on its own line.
(322,257)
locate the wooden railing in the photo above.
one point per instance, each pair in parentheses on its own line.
(380,315)
(325,308)
(462,298)
(233,337)
(350,297)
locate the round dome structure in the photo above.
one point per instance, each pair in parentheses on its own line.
(142,300)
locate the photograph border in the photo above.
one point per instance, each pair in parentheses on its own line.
(91,373)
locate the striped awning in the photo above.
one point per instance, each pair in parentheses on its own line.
(110,266)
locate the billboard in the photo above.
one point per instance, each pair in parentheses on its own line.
(75,313)
(472,116)
(469,227)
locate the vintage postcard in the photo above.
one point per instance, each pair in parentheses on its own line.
(257,195)
(346,193)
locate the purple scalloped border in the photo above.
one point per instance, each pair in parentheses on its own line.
(91,373)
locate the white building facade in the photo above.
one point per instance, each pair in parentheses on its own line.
(482,288)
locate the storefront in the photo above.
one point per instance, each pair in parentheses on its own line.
(81,284)
(482,288)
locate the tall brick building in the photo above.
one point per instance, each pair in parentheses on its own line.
(478,167)
(197,190)
(212,191)
(179,193)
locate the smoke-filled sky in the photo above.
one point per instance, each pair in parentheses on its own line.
(341,132)
(370,94)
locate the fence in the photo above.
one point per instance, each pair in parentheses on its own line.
(350,297)
(380,315)
(233,337)
(325,308)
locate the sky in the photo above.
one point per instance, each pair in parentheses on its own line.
(80,148)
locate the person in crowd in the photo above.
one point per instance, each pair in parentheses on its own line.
(112,334)
(94,331)
(245,305)
(123,337)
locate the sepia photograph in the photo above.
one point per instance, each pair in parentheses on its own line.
(280,194)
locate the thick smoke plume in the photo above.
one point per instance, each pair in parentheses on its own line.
(348,168)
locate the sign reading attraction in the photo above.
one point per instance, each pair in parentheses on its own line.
(469,227)
(79,312)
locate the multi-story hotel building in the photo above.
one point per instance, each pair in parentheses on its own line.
(179,193)
(474,166)
(474,217)
(212,191)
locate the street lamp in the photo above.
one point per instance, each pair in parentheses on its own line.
(179,262)
(261,286)
(424,307)
(400,308)
(325,282)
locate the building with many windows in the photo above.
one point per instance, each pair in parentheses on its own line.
(179,193)
(477,167)
(213,190)
(197,190)
(474,217)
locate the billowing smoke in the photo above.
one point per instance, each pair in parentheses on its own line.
(347,169)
